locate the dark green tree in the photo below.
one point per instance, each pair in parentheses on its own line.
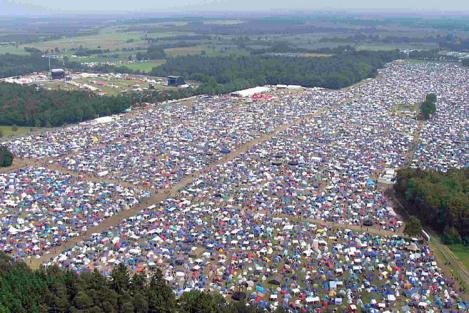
(413,226)
(202,302)
(428,107)
(6,157)
(82,300)
(440,200)
(160,297)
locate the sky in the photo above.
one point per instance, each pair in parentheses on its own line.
(228,5)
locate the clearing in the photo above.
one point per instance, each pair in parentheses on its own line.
(146,66)
(462,252)
(12,131)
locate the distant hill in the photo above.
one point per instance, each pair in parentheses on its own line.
(9,8)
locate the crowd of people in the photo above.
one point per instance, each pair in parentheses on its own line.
(245,254)
(159,145)
(251,228)
(41,208)
(444,138)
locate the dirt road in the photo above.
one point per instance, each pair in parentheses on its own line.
(162,194)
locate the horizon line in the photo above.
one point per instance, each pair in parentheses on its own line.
(202,12)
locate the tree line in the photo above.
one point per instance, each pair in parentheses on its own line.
(431,55)
(6,157)
(30,106)
(454,43)
(227,73)
(153,53)
(440,200)
(53,290)
(428,107)
(13,65)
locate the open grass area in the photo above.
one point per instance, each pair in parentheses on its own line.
(170,24)
(106,39)
(462,252)
(317,55)
(451,263)
(111,38)
(8,131)
(145,67)
(393,46)
(223,22)
(12,50)
(175,52)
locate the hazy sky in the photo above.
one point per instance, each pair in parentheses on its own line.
(237,5)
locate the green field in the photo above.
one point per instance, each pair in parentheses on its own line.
(7,131)
(393,46)
(223,22)
(12,50)
(145,66)
(462,252)
(111,38)
(105,57)
(175,52)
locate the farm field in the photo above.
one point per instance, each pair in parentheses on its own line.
(410,46)
(108,38)
(122,41)
(175,52)
(145,66)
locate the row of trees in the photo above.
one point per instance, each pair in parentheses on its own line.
(12,64)
(225,74)
(6,157)
(54,290)
(440,200)
(431,55)
(454,43)
(28,106)
(153,53)
(428,107)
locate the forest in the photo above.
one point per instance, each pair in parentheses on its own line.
(28,106)
(225,74)
(12,64)
(6,157)
(152,53)
(454,43)
(428,107)
(59,291)
(440,200)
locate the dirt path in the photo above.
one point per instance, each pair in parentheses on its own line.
(375,230)
(446,259)
(17,164)
(451,265)
(413,146)
(163,194)
(90,176)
